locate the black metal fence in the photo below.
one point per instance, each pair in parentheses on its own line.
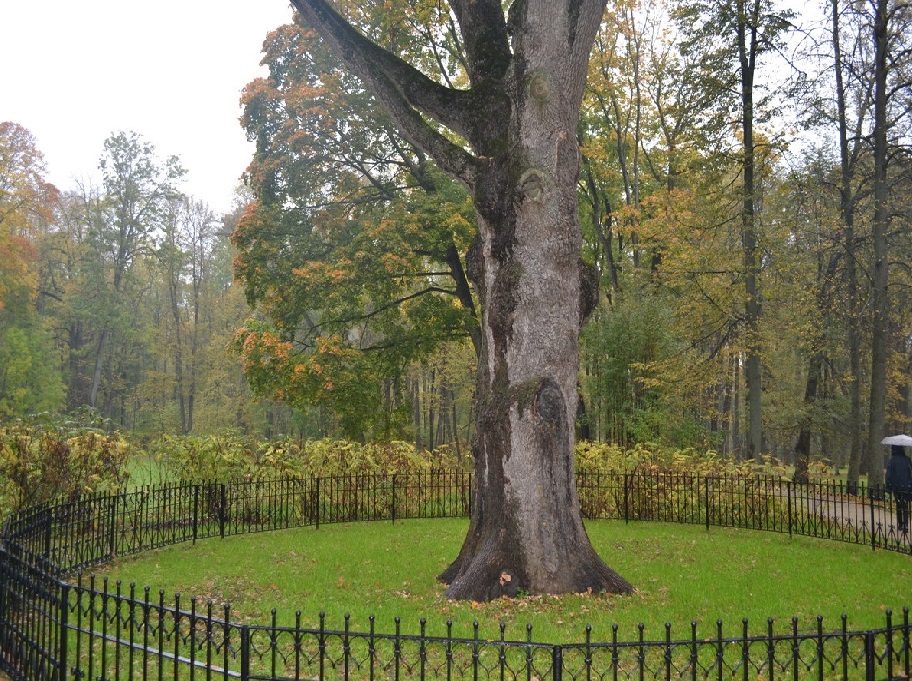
(54,629)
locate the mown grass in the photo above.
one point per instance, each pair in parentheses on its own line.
(682,574)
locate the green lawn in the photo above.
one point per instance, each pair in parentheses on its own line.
(682,573)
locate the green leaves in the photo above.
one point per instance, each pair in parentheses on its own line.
(351,249)
(44,458)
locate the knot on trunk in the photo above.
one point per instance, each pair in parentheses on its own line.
(532,185)
(549,403)
(539,89)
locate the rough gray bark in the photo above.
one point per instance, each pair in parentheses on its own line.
(527,72)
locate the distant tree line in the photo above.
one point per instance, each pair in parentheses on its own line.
(744,197)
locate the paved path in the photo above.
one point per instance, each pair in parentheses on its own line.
(848,512)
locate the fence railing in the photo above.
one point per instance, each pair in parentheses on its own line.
(51,628)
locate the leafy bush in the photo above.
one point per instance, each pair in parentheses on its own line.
(46,457)
(230,456)
(659,481)
(210,457)
(655,459)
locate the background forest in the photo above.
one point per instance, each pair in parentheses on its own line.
(744,196)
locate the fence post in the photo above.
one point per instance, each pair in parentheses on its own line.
(195,511)
(63,630)
(706,500)
(870,656)
(223,502)
(245,652)
(557,663)
(626,498)
(321,645)
(888,652)
(112,530)
(317,502)
(7,578)
(471,477)
(873,526)
(47,516)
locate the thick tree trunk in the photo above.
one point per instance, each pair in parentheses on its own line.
(534,296)
(527,74)
(526,521)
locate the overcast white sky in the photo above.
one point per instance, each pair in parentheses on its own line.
(73,72)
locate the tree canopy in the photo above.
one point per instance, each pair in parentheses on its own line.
(359,241)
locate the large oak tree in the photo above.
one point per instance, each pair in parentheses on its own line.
(510,137)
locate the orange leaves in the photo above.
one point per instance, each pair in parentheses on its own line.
(249,343)
(331,345)
(262,348)
(316,273)
(394,263)
(26,202)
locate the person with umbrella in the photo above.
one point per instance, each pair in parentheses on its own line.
(899,478)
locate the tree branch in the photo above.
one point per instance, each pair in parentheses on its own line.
(487,43)
(400,88)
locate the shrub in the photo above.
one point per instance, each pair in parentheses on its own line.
(229,456)
(594,457)
(208,457)
(46,457)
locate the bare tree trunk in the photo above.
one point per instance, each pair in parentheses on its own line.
(847,214)
(416,412)
(525,266)
(736,405)
(880,297)
(178,353)
(431,406)
(99,366)
(803,443)
(815,370)
(747,48)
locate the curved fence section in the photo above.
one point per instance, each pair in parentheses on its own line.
(52,628)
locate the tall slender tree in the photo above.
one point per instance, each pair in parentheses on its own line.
(732,36)
(138,188)
(184,259)
(880,300)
